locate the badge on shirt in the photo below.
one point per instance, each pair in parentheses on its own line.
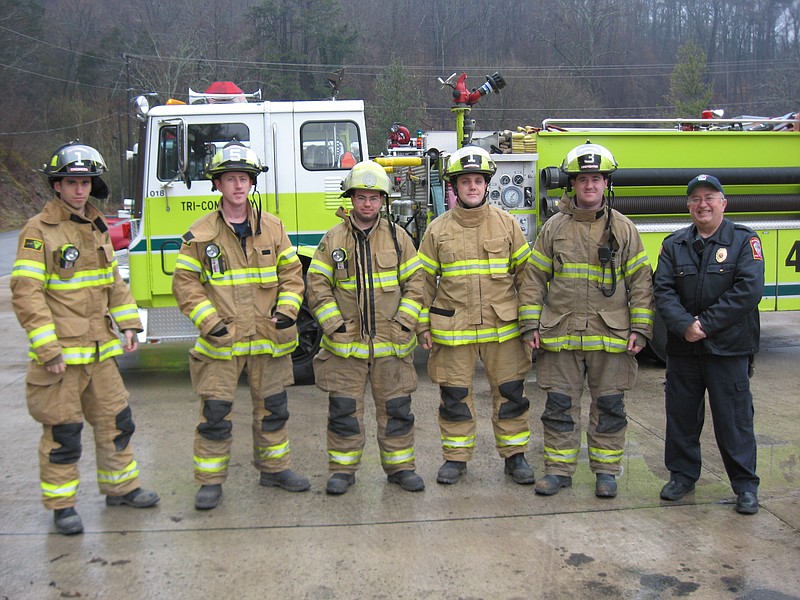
(33,244)
(722,254)
(755,246)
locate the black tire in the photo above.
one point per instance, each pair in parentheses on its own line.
(310,335)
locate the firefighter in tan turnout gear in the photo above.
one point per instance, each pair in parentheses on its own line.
(588,308)
(365,289)
(239,280)
(66,291)
(474,256)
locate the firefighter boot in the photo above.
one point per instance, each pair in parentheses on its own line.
(286,479)
(339,482)
(208,496)
(138,498)
(408,480)
(68,521)
(550,484)
(605,486)
(451,471)
(519,469)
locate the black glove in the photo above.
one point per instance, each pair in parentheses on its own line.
(283,321)
(219,330)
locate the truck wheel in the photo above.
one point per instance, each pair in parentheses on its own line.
(657,347)
(310,335)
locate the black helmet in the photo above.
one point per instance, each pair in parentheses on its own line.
(78,160)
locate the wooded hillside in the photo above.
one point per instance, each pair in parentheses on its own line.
(70,67)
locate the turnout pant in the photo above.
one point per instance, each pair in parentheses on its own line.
(730,399)
(215,381)
(60,402)
(507,364)
(562,375)
(392,380)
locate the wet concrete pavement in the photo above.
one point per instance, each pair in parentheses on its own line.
(484,537)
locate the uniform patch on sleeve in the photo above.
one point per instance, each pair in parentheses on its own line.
(755,246)
(187,238)
(33,244)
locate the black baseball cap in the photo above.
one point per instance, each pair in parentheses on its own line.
(709,180)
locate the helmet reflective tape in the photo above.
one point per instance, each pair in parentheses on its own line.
(589,158)
(366,175)
(469,159)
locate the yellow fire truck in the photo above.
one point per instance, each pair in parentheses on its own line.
(309,147)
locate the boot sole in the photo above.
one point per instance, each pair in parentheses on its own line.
(119,501)
(522,480)
(551,491)
(408,488)
(73,529)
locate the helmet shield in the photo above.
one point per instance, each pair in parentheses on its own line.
(366,175)
(469,159)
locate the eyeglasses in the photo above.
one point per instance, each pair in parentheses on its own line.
(696,200)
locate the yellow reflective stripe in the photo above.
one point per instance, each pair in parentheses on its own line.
(345,458)
(642,316)
(480,266)
(118,477)
(60,490)
(475,336)
(588,272)
(290,299)
(211,464)
(201,312)
(431,266)
(42,335)
(288,256)
(635,263)
(570,455)
(424,316)
(458,441)
(408,268)
(398,457)
(605,456)
(244,348)
(541,262)
(586,343)
(530,312)
(29,268)
(81,279)
(187,263)
(317,266)
(519,439)
(327,311)
(410,307)
(248,276)
(521,255)
(362,351)
(124,312)
(272,452)
(84,355)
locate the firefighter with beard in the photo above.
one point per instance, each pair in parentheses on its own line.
(588,309)
(474,256)
(365,290)
(240,281)
(66,291)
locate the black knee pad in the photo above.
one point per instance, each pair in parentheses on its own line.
(400,419)
(69,436)
(124,420)
(340,416)
(278,406)
(612,415)
(516,403)
(452,407)
(216,427)
(555,412)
